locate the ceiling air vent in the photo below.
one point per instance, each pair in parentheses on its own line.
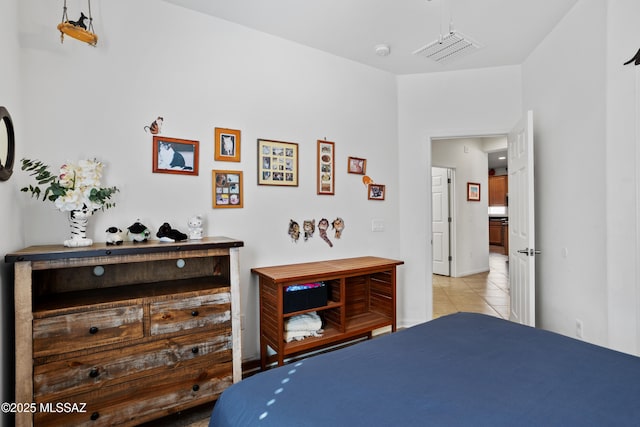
(450,46)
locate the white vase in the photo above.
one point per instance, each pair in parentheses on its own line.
(78,221)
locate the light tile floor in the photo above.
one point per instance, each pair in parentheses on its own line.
(486,293)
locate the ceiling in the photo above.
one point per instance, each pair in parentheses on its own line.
(506,30)
(495,161)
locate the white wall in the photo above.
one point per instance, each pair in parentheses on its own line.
(564,84)
(453,104)
(471,228)
(622,162)
(198,72)
(10,218)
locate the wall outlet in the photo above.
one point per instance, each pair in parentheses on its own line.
(377,225)
(579,328)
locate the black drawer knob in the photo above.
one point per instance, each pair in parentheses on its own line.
(194,313)
(195,387)
(195,350)
(95,416)
(93,330)
(93,373)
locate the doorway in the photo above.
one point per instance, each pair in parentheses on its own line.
(480,281)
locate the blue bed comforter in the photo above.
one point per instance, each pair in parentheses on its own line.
(460,370)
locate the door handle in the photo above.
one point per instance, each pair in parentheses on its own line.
(529,252)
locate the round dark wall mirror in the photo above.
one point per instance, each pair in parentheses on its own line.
(7,145)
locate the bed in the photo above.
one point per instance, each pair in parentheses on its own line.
(458,370)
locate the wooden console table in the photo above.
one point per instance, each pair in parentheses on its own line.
(361,298)
(127,333)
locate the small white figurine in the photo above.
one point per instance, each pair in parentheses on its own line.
(195,227)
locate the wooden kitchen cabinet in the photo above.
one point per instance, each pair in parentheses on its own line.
(129,333)
(498,189)
(495,233)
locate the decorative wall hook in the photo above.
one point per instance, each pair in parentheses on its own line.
(635,59)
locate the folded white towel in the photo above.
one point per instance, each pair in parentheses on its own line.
(302,326)
(304,322)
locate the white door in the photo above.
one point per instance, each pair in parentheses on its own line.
(440,217)
(522,260)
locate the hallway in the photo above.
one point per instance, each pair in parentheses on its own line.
(486,293)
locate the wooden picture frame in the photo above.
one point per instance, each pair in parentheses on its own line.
(227,189)
(226,145)
(277,163)
(473,192)
(326,175)
(175,156)
(357,165)
(376,191)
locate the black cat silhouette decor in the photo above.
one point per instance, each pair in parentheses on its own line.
(635,59)
(80,22)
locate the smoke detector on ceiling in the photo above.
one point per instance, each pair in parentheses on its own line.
(383,50)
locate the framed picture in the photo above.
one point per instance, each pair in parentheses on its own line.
(227,189)
(376,191)
(473,192)
(227,145)
(277,163)
(357,165)
(173,155)
(326,167)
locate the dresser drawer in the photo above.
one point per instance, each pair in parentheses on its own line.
(82,330)
(203,311)
(132,403)
(136,362)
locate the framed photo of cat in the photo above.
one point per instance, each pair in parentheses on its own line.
(227,189)
(277,163)
(326,168)
(376,191)
(173,155)
(227,145)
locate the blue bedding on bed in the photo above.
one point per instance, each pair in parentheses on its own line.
(459,370)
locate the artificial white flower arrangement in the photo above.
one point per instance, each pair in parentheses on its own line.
(76,187)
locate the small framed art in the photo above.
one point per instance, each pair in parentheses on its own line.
(173,155)
(227,189)
(376,191)
(357,165)
(326,167)
(473,192)
(227,145)
(277,163)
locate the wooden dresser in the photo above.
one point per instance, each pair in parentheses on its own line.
(361,298)
(120,335)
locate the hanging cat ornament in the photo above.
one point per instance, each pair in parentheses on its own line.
(78,29)
(155,127)
(323,225)
(338,226)
(294,231)
(309,227)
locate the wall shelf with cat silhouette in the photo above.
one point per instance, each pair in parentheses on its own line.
(78,29)
(77,33)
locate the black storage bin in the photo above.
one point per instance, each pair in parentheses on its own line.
(304,299)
